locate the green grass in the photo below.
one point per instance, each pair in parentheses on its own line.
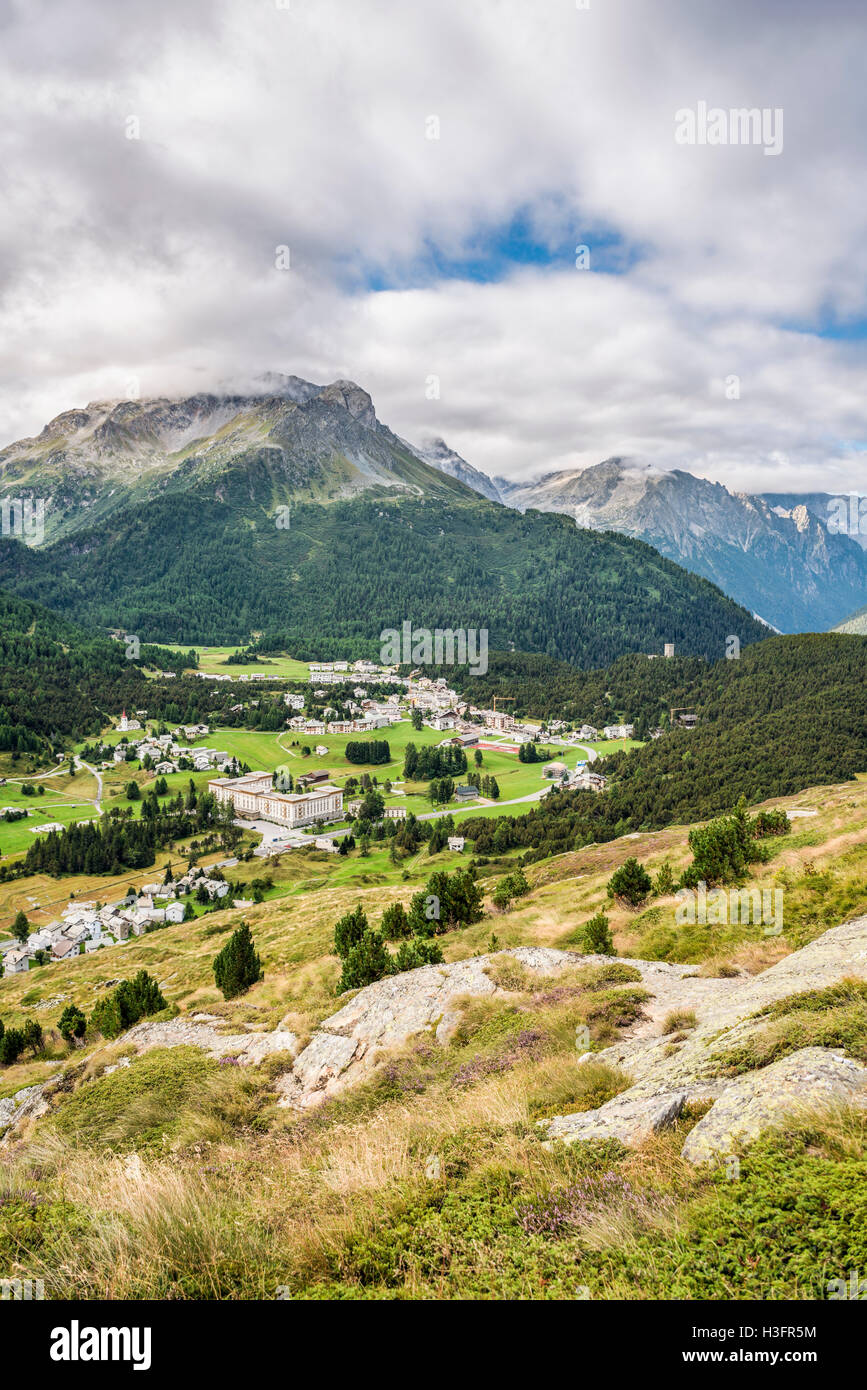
(832,1017)
(213,659)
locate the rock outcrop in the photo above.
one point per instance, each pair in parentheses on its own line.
(199,1031)
(666,1076)
(804,1080)
(389,1012)
(629,1120)
(28,1103)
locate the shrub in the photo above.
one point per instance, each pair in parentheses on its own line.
(349,930)
(395,922)
(596,936)
(130,1001)
(677,1019)
(237,966)
(72,1024)
(416,952)
(364,963)
(33,1037)
(513,886)
(663,884)
(722,850)
(12,1044)
(631,882)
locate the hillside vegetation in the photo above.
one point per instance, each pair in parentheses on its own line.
(177,1176)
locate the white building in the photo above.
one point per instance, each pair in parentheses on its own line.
(16,961)
(254,798)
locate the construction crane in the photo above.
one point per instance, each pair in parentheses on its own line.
(503,700)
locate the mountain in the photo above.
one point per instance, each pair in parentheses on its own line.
(856,623)
(292,440)
(438,453)
(844,513)
(784,565)
(296,512)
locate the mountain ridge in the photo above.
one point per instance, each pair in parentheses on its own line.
(207,518)
(786,566)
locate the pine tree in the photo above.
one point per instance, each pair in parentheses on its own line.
(364,963)
(631,882)
(72,1024)
(596,937)
(21,928)
(237,967)
(395,922)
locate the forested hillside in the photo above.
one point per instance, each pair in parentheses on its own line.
(791,713)
(57,680)
(328,583)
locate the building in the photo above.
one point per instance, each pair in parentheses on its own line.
(668,649)
(16,961)
(456,843)
(63,948)
(465,791)
(618,731)
(254,798)
(556,770)
(497,719)
(586,781)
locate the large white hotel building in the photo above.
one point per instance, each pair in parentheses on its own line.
(254,797)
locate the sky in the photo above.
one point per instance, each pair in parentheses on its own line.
(395,193)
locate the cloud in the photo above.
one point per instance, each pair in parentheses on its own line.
(153,259)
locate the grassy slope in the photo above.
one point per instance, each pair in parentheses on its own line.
(234,1198)
(213,659)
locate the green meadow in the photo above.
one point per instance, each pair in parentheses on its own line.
(213,660)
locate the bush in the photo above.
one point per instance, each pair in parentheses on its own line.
(631,882)
(130,1001)
(395,923)
(12,1044)
(512,886)
(349,930)
(596,937)
(722,850)
(364,963)
(237,967)
(72,1024)
(664,882)
(33,1037)
(416,952)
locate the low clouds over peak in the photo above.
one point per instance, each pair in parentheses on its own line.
(430,171)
